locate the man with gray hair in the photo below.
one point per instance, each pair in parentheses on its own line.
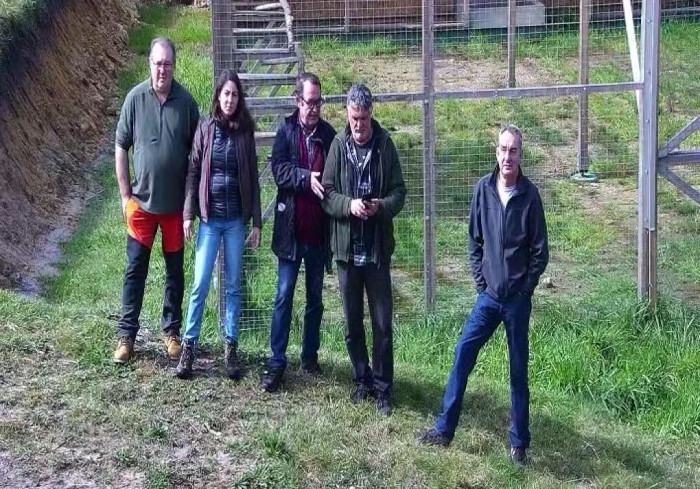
(365,190)
(507,252)
(158,119)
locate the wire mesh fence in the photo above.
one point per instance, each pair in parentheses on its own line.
(530,62)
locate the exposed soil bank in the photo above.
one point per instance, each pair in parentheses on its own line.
(55,99)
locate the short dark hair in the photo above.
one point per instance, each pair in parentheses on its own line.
(303,78)
(241,115)
(163,41)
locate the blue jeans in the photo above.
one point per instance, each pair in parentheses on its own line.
(209,236)
(478,328)
(287,273)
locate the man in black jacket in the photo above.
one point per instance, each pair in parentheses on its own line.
(507,253)
(301,228)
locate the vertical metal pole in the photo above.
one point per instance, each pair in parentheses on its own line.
(648,135)
(429,154)
(583,80)
(512,6)
(223,42)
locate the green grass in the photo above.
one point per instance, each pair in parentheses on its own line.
(16,17)
(614,384)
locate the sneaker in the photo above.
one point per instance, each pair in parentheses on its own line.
(311,368)
(360,393)
(124,351)
(272,379)
(172,346)
(518,456)
(433,437)
(184,366)
(384,403)
(233,367)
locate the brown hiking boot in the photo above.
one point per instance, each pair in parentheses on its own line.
(124,351)
(172,346)
(184,367)
(233,367)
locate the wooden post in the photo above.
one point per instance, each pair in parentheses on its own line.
(429,154)
(583,155)
(512,6)
(346,23)
(462,12)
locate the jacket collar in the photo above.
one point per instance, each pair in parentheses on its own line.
(518,182)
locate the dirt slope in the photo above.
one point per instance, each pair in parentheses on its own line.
(55,91)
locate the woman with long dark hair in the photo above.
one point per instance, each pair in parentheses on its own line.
(223,191)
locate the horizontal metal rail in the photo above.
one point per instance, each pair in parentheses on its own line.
(551,91)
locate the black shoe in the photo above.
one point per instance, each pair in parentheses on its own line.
(518,456)
(433,437)
(384,403)
(360,393)
(233,367)
(184,366)
(272,379)
(311,368)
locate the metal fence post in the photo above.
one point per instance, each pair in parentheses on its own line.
(583,98)
(429,154)
(648,135)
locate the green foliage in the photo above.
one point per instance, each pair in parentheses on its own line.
(17,16)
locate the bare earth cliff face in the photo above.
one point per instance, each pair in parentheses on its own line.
(55,96)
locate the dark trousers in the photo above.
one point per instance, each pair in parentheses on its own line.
(287,273)
(138,256)
(478,328)
(376,280)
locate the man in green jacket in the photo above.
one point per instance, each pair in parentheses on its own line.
(364,190)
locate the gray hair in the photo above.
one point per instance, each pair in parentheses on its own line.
(360,95)
(303,78)
(515,131)
(163,41)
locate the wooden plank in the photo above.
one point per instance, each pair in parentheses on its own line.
(260,30)
(267,77)
(280,61)
(259,14)
(269,6)
(263,51)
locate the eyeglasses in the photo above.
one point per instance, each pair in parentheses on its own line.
(312,104)
(166,65)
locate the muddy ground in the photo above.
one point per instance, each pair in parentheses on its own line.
(57,98)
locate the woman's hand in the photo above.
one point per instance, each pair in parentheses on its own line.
(253,240)
(188,228)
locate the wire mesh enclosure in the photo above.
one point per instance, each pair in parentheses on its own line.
(573,75)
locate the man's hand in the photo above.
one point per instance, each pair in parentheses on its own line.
(358,209)
(125,200)
(372,207)
(188,228)
(316,186)
(253,240)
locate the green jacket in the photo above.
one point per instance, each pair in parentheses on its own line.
(392,194)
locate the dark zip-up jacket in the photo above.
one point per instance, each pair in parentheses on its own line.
(199,172)
(391,192)
(507,247)
(290,179)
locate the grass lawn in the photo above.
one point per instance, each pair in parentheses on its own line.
(615,390)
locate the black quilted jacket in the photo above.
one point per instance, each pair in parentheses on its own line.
(290,178)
